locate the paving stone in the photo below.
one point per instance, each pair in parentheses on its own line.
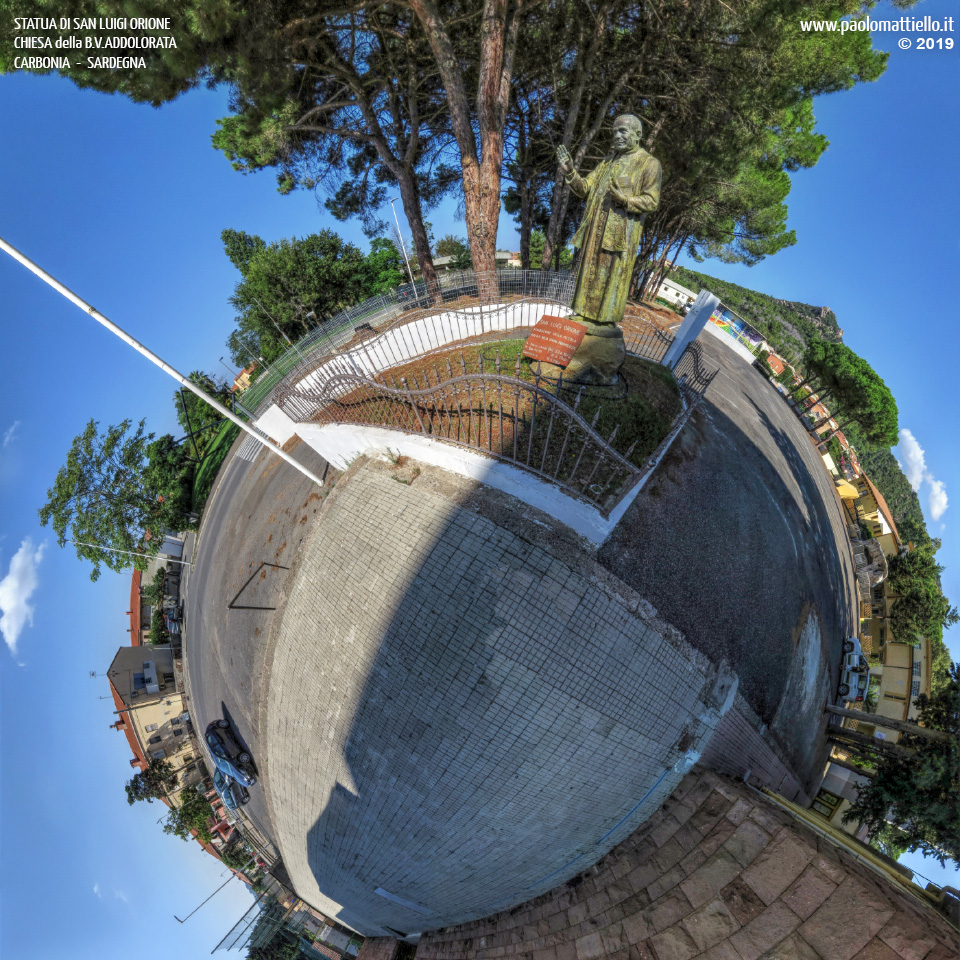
(793,948)
(940,952)
(746,842)
(466,673)
(717,837)
(692,861)
(614,938)
(664,830)
(713,875)
(739,811)
(710,924)
(829,865)
(777,866)
(722,951)
(908,938)
(668,910)
(830,931)
(808,891)
(711,810)
(674,944)
(567,950)
(741,901)
(765,931)
(688,837)
(590,947)
(641,877)
(636,927)
(876,950)
(642,951)
(670,854)
(665,882)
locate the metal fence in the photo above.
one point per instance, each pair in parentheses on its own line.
(458,290)
(519,421)
(538,425)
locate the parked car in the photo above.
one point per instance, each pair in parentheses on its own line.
(228,755)
(854,672)
(231,793)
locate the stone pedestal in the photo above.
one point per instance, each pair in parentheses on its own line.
(598,358)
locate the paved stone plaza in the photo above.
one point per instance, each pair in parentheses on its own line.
(463,709)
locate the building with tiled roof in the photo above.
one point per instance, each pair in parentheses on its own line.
(776,364)
(151,711)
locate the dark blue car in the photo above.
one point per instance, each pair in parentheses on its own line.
(231,793)
(228,755)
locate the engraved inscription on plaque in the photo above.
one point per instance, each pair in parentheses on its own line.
(554,340)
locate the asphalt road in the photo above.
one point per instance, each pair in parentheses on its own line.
(251,529)
(739,539)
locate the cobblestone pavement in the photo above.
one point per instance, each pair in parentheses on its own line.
(458,717)
(738,540)
(251,528)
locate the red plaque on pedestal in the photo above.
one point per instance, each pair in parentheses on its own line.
(554,340)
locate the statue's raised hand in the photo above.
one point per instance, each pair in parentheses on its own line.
(564,159)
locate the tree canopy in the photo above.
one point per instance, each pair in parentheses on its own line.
(436,97)
(916,788)
(289,286)
(118,489)
(921,609)
(192,814)
(857,392)
(151,784)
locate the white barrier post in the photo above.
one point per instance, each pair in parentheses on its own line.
(693,323)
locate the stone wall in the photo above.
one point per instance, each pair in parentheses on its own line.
(719,873)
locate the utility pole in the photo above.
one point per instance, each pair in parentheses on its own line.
(153,358)
(403,246)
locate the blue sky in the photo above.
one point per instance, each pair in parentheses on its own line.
(125,204)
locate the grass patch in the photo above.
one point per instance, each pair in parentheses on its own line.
(207,471)
(643,417)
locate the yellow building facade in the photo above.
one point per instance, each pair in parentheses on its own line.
(152,713)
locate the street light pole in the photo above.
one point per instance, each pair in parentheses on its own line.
(149,556)
(153,358)
(403,246)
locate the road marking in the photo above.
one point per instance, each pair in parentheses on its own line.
(783,517)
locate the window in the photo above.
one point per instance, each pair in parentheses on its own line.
(158,755)
(178,733)
(139,681)
(175,721)
(156,739)
(150,727)
(915,689)
(916,668)
(918,646)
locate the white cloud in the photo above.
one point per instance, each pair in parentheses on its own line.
(16,589)
(96,890)
(937,498)
(914,465)
(120,895)
(914,462)
(9,433)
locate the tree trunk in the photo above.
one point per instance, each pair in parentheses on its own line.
(903,726)
(410,196)
(852,766)
(854,739)
(480,173)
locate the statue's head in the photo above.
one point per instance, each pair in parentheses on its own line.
(626,132)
